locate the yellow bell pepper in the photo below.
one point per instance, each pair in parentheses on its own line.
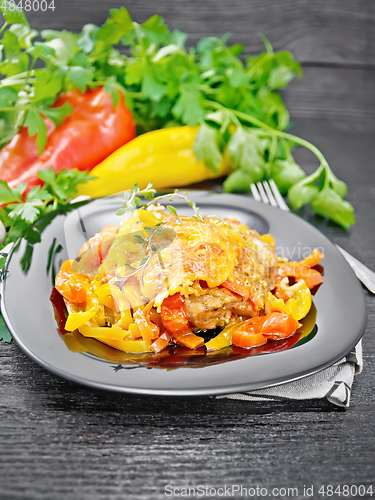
(224,339)
(102,332)
(77,319)
(127,345)
(164,156)
(297,306)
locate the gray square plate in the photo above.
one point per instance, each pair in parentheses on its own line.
(28,312)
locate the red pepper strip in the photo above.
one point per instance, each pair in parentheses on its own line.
(176,321)
(87,136)
(301,269)
(237,286)
(20,152)
(273,326)
(72,286)
(311,260)
(311,277)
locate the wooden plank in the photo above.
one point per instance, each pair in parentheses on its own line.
(323,31)
(332,93)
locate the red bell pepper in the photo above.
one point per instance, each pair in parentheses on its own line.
(301,269)
(20,152)
(256,331)
(176,321)
(91,133)
(237,286)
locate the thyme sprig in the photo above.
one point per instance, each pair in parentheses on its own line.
(132,201)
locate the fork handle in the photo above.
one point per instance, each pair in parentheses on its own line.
(363,273)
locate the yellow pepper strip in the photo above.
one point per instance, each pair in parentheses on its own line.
(164,156)
(297,306)
(300,304)
(125,320)
(100,316)
(99,332)
(77,319)
(135,330)
(127,345)
(224,339)
(111,294)
(267,238)
(77,343)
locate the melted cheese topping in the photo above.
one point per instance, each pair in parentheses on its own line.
(183,252)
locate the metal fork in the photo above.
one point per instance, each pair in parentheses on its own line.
(267,192)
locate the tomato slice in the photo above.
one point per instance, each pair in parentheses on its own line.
(175,320)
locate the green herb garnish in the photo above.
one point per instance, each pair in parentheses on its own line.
(20,214)
(132,201)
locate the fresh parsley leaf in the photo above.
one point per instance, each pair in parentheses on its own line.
(301,193)
(24,34)
(328,203)
(338,186)
(179,38)
(7,195)
(118,25)
(12,14)
(63,184)
(36,125)
(10,68)
(8,97)
(58,115)
(11,46)
(152,87)
(40,51)
(47,87)
(80,77)
(87,38)
(207,146)
(5,335)
(245,153)
(238,182)
(117,90)
(28,211)
(188,107)
(47,175)
(64,44)
(285,173)
(156,30)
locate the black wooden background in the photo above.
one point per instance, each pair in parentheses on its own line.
(60,440)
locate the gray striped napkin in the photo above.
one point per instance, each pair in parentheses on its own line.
(333,383)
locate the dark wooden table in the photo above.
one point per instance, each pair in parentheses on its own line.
(61,440)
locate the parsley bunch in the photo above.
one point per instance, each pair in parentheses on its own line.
(233,97)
